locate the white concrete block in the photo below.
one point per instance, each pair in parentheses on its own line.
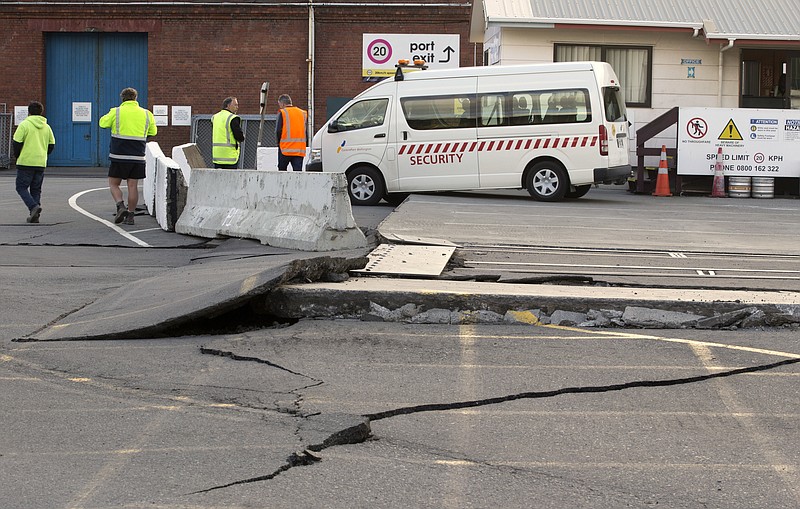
(163,165)
(151,154)
(267,159)
(187,156)
(295,210)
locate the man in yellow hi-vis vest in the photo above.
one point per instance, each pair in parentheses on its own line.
(292,134)
(226,135)
(130,126)
(33,142)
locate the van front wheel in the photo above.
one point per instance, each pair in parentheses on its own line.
(547,181)
(364,186)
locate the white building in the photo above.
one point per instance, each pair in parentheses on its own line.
(667,53)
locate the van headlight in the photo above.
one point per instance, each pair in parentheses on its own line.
(315,154)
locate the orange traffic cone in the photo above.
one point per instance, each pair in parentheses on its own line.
(718,189)
(662,183)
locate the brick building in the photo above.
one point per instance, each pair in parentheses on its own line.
(195,53)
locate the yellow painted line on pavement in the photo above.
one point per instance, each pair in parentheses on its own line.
(689,342)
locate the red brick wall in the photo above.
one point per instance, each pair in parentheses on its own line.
(199,55)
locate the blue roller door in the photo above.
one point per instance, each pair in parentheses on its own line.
(89,68)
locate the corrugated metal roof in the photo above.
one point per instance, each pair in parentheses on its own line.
(724,19)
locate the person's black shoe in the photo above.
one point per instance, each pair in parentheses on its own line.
(36,211)
(122,213)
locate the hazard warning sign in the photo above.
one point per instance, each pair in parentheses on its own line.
(731,132)
(754,142)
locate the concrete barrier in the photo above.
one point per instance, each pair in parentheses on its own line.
(164,188)
(171,191)
(151,154)
(188,156)
(295,210)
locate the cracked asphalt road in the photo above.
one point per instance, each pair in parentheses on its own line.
(225,421)
(471,416)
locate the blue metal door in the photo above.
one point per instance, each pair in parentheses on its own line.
(85,74)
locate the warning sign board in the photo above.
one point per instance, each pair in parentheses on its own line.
(731,132)
(754,142)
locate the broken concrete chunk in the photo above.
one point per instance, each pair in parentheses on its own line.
(479,316)
(567,318)
(726,319)
(433,316)
(657,318)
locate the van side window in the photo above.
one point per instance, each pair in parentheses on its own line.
(521,109)
(363,114)
(564,106)
(493,110)
(439,112)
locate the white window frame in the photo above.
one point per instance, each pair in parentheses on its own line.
(635,75)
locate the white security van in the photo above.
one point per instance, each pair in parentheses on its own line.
(553,129)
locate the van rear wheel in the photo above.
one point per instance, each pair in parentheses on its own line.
(364,185)
(547,181)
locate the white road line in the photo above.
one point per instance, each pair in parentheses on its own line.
(73,202)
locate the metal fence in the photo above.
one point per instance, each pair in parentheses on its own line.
(201,135)
(6,121)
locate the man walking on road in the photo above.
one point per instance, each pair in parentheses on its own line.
(33,141)
(130,126)
(226,135)
(292,134)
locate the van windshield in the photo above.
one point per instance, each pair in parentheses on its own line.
(613,104)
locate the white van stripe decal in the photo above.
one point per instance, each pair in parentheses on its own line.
(497,145)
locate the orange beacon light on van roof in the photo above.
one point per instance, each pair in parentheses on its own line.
(405,63)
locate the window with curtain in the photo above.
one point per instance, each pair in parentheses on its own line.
(631,63)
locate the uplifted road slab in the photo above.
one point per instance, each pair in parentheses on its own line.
(148,307)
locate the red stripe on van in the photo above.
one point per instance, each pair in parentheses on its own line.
(528,144)
(402,149)
(546,143)
(420,147)
(438,146)
(538,142)
(594,140)
(509,144)
(565,143)
(519,144)
(428,150)
(480,148)
(574,142)
(472,147)
(491,144)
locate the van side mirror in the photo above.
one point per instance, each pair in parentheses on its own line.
(334,127)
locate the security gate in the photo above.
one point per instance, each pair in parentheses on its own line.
(201,135)
(85,74)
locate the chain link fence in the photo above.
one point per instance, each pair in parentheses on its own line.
(6,121)
(201,135)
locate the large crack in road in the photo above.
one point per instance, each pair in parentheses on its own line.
(359,432)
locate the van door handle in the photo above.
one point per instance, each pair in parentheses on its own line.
(405,135)
(380,135)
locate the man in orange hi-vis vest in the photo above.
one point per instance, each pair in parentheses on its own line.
(292,134)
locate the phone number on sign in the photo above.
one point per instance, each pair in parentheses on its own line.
(747,167)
